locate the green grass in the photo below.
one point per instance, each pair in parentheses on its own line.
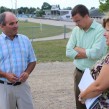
(34,30)
(51,51)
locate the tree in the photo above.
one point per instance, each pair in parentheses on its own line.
(104,5)
(39,12)
(92,8)
(21,10)
(102,1)
(32,10)
(3,9)
(46,6)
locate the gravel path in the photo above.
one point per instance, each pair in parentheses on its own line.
(52,85)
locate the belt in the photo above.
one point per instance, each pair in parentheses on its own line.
(79,70)
(14,84)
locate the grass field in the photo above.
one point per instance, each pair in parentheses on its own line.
(51,51)
(35,30)
(47,51)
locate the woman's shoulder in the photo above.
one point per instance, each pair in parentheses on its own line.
(106,58)
(98,66)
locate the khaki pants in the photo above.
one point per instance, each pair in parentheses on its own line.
(12,97)
(77,78)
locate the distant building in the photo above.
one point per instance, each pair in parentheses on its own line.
(95,13)
(65,15)
(58,14)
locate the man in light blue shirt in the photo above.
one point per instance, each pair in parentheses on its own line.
(17,60)
(85,46)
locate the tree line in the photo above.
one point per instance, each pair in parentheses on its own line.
(104,7)
(25,10)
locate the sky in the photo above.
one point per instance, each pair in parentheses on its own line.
(39,3)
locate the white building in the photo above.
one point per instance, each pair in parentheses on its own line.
(58,14)
(65,15)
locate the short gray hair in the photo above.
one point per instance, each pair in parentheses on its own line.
(2,18)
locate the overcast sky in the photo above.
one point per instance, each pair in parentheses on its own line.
(38,3)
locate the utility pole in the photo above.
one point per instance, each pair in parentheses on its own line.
(16,7)
(12,5)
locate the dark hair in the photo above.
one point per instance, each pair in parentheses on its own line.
(105,21)
(80,9)
(2,18)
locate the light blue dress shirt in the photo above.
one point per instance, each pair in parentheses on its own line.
(16,54)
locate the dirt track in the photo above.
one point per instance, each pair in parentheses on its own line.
(52,85)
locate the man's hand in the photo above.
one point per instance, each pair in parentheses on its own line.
(23,77)
(81,52)
(11,77)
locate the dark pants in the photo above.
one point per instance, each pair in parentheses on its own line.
(77,78)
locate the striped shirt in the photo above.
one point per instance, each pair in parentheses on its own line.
(15,54)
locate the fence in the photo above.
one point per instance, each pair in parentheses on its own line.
(45,31)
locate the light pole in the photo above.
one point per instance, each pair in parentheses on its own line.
(12,5)
(16,7)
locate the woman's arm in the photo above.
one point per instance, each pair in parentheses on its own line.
(99,85)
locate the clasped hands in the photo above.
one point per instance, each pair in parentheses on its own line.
(13,78)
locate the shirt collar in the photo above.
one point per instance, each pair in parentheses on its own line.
(93,25)
(5,36)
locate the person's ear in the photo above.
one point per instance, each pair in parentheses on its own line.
(1,26)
